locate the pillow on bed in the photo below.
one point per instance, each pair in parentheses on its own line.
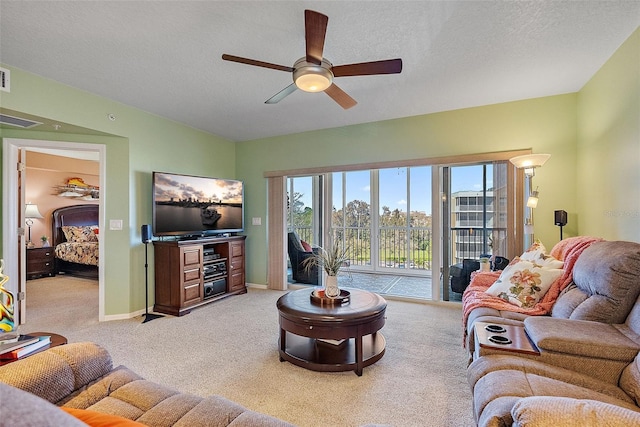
(79,234)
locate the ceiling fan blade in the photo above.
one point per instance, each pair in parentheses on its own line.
(280,95)
(340,96)
(315,29)
(256,63)
(389,66)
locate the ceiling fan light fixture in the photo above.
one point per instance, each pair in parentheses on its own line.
(313,82)
(311,77)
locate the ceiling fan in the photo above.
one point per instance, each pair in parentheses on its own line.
(313,73)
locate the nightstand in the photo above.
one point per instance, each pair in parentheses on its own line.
(40,262)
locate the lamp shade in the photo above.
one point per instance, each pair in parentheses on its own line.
(532,201)
(31,211)
(528,226)
(530,160)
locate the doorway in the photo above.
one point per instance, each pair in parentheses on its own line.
(14,241)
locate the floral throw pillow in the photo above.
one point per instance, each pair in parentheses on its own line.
(79,234)
(524,283)
(537,254)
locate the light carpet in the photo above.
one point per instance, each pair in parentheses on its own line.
(230,348)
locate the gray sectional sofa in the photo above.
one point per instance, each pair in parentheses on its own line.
(588,344)
(80,377)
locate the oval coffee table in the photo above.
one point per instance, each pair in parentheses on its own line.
(331,338)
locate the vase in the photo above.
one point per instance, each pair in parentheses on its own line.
(331,289)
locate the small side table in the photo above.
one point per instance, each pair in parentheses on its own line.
(56,340)
(40,262)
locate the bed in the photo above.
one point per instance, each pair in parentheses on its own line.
(75,240)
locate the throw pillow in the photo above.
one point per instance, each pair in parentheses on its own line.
(306,246)
(524,283)
(537,254)
(99,419)
(79,234)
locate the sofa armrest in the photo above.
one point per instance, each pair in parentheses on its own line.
(55,373)
(541,411)
(580,338)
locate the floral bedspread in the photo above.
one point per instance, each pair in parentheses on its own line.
(81,253)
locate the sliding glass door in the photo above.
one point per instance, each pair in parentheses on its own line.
(384,218)
(351,215)
(397,238)
(403,223)
(475,212)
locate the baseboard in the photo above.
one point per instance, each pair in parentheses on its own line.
(125,316)
(139,313)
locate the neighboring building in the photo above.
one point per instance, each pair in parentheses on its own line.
(472,224)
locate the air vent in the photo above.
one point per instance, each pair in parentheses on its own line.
(17,121)
(5,81)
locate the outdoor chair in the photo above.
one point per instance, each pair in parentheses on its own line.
(297,254)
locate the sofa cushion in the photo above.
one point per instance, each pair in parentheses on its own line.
(20,408)
(608,273)
(539,411)
(581,338)
(485,365)
(568,300)
(630,379)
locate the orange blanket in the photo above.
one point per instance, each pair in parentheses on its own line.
(568,250)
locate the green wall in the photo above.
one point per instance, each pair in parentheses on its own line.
(608,153)
(142,143)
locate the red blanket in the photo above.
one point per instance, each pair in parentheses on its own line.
(568,250)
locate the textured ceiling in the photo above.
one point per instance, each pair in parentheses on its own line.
(165,56)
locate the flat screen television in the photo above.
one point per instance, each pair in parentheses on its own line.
(187,205)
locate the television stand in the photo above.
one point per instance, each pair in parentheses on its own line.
(190,273)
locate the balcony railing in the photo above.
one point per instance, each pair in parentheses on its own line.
(400,247)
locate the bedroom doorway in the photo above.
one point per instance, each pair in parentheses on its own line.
(15,182)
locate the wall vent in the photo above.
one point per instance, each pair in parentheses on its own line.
(5,80)
(17,121)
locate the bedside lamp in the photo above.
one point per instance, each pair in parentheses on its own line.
(31,211)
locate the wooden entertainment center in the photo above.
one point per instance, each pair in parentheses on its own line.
(191,273)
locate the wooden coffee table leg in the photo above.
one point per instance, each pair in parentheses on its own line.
(283,343)
(359,362)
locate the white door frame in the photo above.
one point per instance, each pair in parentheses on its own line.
(12,240)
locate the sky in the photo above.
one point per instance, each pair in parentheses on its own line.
(393,186)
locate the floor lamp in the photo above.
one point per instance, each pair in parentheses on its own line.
(146,238)
(529,162)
